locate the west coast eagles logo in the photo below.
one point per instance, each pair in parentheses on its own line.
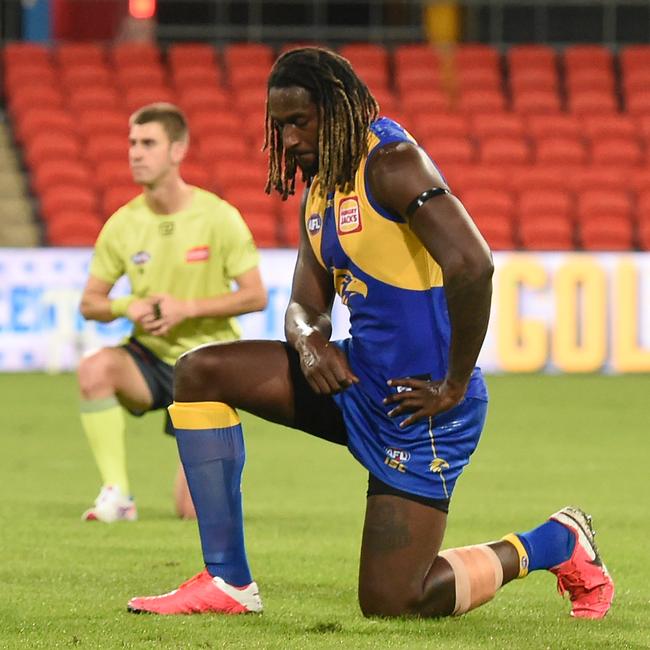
(347,285)
(438,465)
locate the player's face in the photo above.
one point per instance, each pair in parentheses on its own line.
(151,154)
(296,115)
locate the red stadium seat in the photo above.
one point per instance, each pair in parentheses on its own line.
(618,152)
(135,53)
(541,177)
(559,125)
(54,146)
(606,204)
(82,75)
(590,80)
(607,177)
(138,97)
(476,177)
(547,232)
(191,78)
(239,176)
(80,228)
(479,79)
(560,150)
(446,150)
(216,122)
(60,199)
(25,52)
(481,101)
(418,78)
(509,125)
(637,179)
(634,57)
(636,80)
(25,98)
(531,57)
(424,101)
(53,173)
(542,202)
(435,124)
(638,102)
(592,102)
(532,80)
(238,54)
(138,76)
(643,235)
(504,151)
(188,55)
(115,197)
(365,54)
(29,74)
(94,98)
(213,148)
(482,203)
(475,55)
(415,55)
(609,126)
(103,122)
(101,148)
(536,101)
(35,121)
(76,53)
(497,231)
(112,173)
(587,57)
(205,99)
(606,234)
(196,174)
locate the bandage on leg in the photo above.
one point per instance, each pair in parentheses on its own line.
(478,574)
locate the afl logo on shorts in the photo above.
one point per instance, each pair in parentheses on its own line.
(314,224)
(397,459)
(349,217)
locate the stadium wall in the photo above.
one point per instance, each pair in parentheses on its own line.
(552,312)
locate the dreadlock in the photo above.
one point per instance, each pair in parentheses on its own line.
(345,110)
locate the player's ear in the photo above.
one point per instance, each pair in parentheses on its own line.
(178,151)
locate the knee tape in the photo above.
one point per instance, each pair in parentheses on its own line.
(478,574)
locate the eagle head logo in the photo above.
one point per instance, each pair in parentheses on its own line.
(347,285)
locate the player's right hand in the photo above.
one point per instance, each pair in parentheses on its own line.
(324,365)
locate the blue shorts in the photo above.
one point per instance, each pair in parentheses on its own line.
(424,459)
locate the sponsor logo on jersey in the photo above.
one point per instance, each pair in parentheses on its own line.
(314,224)
(141,257)
(198,254)
(397,459)
(349,219)
(437,465)
(347,285)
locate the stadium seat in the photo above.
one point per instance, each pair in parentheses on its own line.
(418,101)
(540,177)
(606,234)
(248,76)
(481,101)
(546,232)
(610,126)
(25,52)
(605,177)
(67,198)
(587,57)
(36,121)
(536,79)
(113,172)
(560,150)
(203,123)
(637,180)
(536,101)
(239,176)
(104,122)
(415,55)
(80,228)
(475,55)
(370,61)
(497,231)
(449,150)
(238,54)
(489,203)
(74,53)
(633,57)
(53,173)
(507,151)
(188,79)
(510,125)
(25,98)
(137,97)
(604,204)
(45,146)
(28,74)
(590,80)
(117,196)
(212,148)
(536,203)
(103,147)
(531,57)
(94,98)
(643,235)
(616,151)
(428,126)
(476,177)
(592,102)
(196,174)
(204,99)
(135,53)
(636,80)
(478,79)
(188,55)
(638,102)
(139,76)
(82,75)
(560,125)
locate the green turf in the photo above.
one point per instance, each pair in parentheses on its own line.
(549,441)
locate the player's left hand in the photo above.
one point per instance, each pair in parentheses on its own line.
(422,398)
(168,312)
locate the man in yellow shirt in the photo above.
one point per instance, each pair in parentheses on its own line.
(181,248)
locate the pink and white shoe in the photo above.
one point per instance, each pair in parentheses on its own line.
(199,595)
(111,505)
(583,576)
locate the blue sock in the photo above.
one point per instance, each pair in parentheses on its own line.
(547,545)
(211,447)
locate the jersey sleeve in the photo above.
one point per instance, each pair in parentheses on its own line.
(107,262)
(239,251)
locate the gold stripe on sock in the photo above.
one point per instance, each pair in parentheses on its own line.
(202,415)
(521,551)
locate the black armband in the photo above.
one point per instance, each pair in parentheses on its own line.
(421,199)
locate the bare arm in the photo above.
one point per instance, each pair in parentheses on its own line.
(249,296)
(307,323)
(96,305)
(398,174)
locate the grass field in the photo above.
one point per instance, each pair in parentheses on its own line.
(549,441)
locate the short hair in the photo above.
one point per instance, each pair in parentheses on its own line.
(346,109)
(169,116)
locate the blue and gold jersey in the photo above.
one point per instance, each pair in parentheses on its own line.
(382,272)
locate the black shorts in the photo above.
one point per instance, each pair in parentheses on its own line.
(159,377)
(319,416)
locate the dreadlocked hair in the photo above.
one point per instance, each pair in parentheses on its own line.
(345,110)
